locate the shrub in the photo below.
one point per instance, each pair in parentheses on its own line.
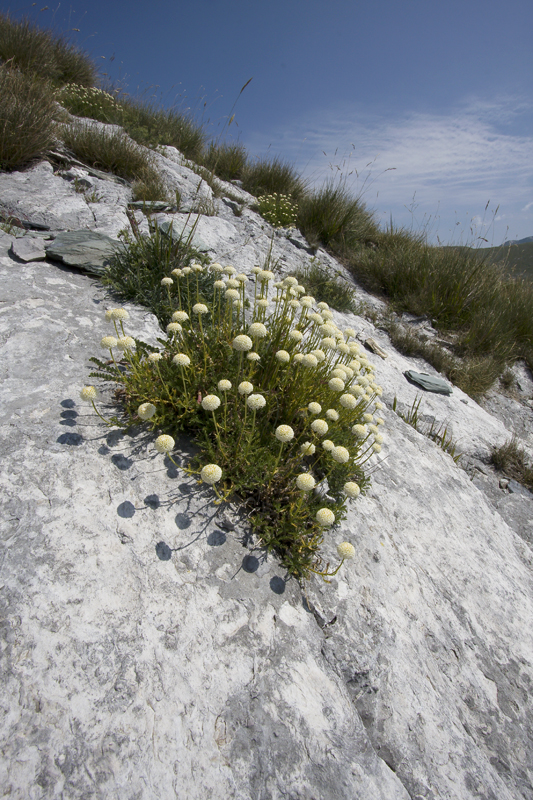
(278,209)
(89,102)
(333,218)
(27,113)
(228,161)
(272,176)
(43,53)
(259,393)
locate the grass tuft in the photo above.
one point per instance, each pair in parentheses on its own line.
(272,176)
(512,460)
(227,161)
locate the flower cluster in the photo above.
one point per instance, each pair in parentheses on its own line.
(283,403)
(278,209)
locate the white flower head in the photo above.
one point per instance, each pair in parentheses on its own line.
(283,357)
(181,360)
(346,550)
(332,414)
(116,314)
(253,357)
(232,283)
(349,333)
(215,267)
(199,308)
(309,360)
(108,342)
(164,444)
(320,427)
(348,401)
(328,343)
(245,387)
(229,270)
(376,447)
(265,275)
(242,343)
(263,302)
(322,306)
(224,385)
(219,285)
(179,316)
(174,327)
(153,358)
(305,482)
(328,445)
(368,418)
(359,431)
(298,358)
(319,355)
(314,408)
(296,336)
(210,402)
(211,473)
(352,489)
(307,301)
(284,433)
(325,517)
(146,411)
(340,454)
(255,401)
(308,449)
(88,393)
(166,282)
(314,317)
(336,385)
(257,330)
(125,343)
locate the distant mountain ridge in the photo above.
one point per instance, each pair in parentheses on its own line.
(518,241)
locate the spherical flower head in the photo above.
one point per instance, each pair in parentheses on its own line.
(164,444)
(332,415)
(296,336)
(314,317)
(380,421)
(348,401)
(166,282)
(376,447)
(298,358)
(340,454)
(300,289)
(88,393)
(346,551)
(210,402)
(229,270)
(242,343)
(328,343)
(294,304)
(378,438)
(368,418)
(284,433)
(309,360)
(181,360)
(319,355)
(197,268)
(232,284)
(343,348)
(325,517)
(308,449)
(236,304)
(352,489)
(362,380)
(211,473)
(373,428)
(265,275)
(339,372)
(116,314)
(378,390)
(336,384)
(349,333)
(359,431)
(328,445)
(199,308)
(108,342)
(219,285)
(257,330)
(314,408)
(356,390)
(215,267)
(255,401)
(327,329)
(378,406)
(224,385)
(174,327)
(354,348)
(153,358)
(255,270)
(126,343)
(177,272)
(146,411)
(307,301)
(263,302)
(320,427)
(290,281)
(179,316)
(253,357)
(305,482)
(245,387)
(322,306)
(283,357)
(241,277)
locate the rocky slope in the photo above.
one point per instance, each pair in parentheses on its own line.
(150,649)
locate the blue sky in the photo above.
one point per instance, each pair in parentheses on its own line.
(424,107)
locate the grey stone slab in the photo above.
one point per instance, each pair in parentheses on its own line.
(86,250)
(29,249)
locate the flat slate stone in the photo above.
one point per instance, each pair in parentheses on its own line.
(87,250)
(28,249)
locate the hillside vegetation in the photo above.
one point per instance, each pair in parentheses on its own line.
(479,300)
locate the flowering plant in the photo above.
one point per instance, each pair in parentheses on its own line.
(278,209)
(255,388)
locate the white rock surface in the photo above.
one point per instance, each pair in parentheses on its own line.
(149,650)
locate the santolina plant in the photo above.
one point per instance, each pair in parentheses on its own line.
(281,402)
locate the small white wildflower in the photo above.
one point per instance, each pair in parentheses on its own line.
(307,301)
(378,405)
(146,411)
(116,313)
(307,449)
(376,447)
(378,438)
(199,308)
(325,517)
(327,329)
(368,418)
(328,445)
(349,333)
(210,402)
(359,431)
(316,318)
(211,473)
(265,275)
(125,343)
(242,343)
(352,489)
(309,360)
(181,360)
(328,343)
(257,330)
(343,348)
(296,336)
(253,357)
(336,385)
(88,393)
(219,285)
(340,454)
(332,415)
(345,550)
(263,302)
(153,358)
(215,267)
(320,427)
(255,401)
(373,429)
(245,387)
(290,281)
(305,482)
(380,420)
(378,390)
(229,270)
(255,270)
(339,372)
(241,277)
(108,342)
(164,444)
(232,284)
(197,268)
(174,327)
(355,365)
(177,272)
(319,355)
(284,433)
(166,282)
(179,316)
(224,385)
(314,408)
(322,306)
(348,401)
(283,357)
(298,358)
(362,380)
(357,391)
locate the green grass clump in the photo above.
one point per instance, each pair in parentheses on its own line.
(272,176)
(512,460)
(278,209)
(227,161)
(278,399)
(43,53)
(331,217)
(437,433)
(335,290)
(27,112)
